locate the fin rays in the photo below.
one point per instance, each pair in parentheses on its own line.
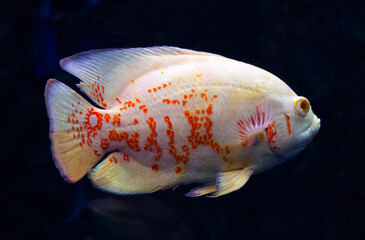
(251,124)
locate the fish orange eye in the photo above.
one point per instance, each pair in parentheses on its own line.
(302,105)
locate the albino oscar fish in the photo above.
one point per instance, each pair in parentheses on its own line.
(168,116)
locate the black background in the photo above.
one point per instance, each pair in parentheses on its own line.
(316,47)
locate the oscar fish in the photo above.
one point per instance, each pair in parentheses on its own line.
(167,116)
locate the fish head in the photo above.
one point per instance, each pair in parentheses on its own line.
(293,126)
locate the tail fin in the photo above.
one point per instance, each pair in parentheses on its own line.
(73,149)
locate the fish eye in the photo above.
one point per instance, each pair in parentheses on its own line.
(302,105)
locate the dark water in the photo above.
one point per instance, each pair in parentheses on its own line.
(316,48)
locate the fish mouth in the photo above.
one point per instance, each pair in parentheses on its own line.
(315,126)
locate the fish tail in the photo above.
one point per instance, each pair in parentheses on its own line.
(74,125)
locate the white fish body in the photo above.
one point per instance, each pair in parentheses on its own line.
(172,116)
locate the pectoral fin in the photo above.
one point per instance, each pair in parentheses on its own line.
(231,181)
(201,190)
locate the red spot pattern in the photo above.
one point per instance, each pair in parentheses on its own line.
(271,133)
(151,140)
(119,136)
(104,143)
(288,124)
(96,94)
(125,157)
(116,119)
(155,167)
(172,151)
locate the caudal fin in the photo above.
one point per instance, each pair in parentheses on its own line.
(72,140)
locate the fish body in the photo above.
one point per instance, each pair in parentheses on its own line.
(169,116)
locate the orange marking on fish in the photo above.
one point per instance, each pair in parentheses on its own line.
(227,149)
(132,142)
(161,72)
(73,121)
(215,96)
(102,88)
(199,75)
(107,117)
(187,113)
(154,89)
(209,109)
(205,90)
(155,167)
(169,83)
(98,77)
(197,111)
(80,113)
(178,169)
(183,102)
(287,117)
(145,110)
(135,121)
(142,106)
(80,144)
(116,120)
(173,151)
(164,85)
(159,87)
(202,94)
(110,160)
(118,101)
(68,118)
(137,100)
(73,114)
(115,160)
(132,81)
(192,90)
(191,95)
(151,140)
(271,132)
(206,98)
(104,143)
(97,153)
(125,157)
(149,90)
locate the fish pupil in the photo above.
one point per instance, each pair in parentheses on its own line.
(303,105)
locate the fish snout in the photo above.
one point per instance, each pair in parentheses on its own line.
(315,126)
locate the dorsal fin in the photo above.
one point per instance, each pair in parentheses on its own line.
(104,73)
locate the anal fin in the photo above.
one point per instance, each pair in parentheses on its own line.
(121,174)
(231,181)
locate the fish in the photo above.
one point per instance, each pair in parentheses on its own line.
(167,116)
